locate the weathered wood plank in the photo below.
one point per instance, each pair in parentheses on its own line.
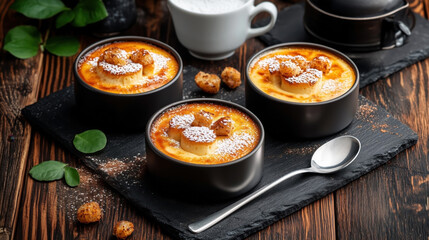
(315,221)
(19,82)
(389,203)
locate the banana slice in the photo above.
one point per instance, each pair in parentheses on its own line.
(222,126)
(308,82)
(198,140)
(178,124)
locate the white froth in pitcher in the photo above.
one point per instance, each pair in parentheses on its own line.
(209,6)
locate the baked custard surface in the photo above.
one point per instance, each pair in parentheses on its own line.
(107,77)
(334,83)
(244,138)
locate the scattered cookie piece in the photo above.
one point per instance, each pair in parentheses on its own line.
(231,77)
(289,69)
(123,229)
(209,83)
(202,119)
(321,63)
(142,56)
(115,56)
(222,127)
(89,213)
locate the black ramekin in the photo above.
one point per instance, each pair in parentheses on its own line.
(302,120)
(125,111)
(217,181)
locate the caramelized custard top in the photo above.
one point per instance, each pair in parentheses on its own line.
(244,138)
(132,77)
(334,83)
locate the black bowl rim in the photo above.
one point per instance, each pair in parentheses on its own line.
(125,39)
(303,44)
(207,100)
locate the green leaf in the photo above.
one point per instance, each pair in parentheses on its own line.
(48,171)
(63,46)
(23,41)
(90,141)
(88,11)
(72,176)
(64,18)
(39,9)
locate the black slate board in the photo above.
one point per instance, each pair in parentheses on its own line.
(382,138)
(372,65)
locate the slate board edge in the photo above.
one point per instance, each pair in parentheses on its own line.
(247,229)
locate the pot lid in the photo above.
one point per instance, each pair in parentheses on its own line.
(358,8)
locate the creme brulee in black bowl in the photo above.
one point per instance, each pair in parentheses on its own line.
(208,148)
(302,90)
(120,82)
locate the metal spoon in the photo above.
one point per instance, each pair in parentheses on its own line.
(328,158)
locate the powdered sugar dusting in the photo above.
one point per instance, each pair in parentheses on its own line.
(235,143)
(331,85)
(93,62)
(91,189)
(130,67)
(182,121)
(271,64)
(200,134)
(160,61)
(310,76)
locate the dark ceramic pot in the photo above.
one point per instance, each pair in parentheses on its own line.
(217,181)
(122,15)
(359,25)
(302,120)
(125,111)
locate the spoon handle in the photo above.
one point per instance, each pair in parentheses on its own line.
(216,217)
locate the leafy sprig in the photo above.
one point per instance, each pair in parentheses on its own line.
(53,170)
(25,41)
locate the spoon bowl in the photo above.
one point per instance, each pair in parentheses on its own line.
(335,154)
(328,158)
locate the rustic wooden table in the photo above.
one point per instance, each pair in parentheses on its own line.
(391,202)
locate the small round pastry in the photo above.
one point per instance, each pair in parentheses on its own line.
(209,83)
(123,229)
(289,69)
(202,119)
(178,124)
(89,213)
(306,83)
(321,63)
(115,56)
(143,57)
(231,77)
(301,62)
(198,140)
(115,68)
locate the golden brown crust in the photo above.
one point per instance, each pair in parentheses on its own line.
(123,229)
(89,213)
(231,77)
(223,126)
(202,119)
(209,83)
